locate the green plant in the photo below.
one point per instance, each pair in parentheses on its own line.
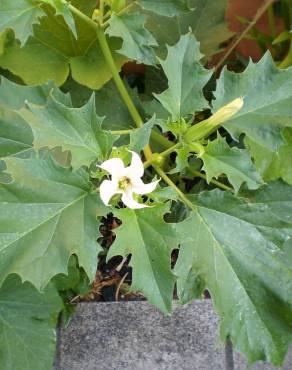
(232,173)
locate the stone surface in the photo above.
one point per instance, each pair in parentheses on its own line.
(135,336)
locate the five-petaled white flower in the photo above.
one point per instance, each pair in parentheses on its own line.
(125,181)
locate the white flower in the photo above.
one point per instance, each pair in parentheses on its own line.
(125,181)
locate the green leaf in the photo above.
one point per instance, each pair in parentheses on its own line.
(15,135)
(236,163)
(168,8)
(186,79)
(277,196)
(27,326)
(207,22)
(137,40)
(151,244)
(267,105)
(62,8)
(237,251)
(140,137)
(14,96)
(20,15)
(91,69)
(47,214)
(75,129)
(273,164)
(105,99)
(52,41)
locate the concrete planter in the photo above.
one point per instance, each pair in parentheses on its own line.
(135,336)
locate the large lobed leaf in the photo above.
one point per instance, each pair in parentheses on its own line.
(52,51)
(239,252)
(27,325)
(266,116)
(273,164)
(186,79)
(15,135)
(47,214)
(220,159)
(206,19)
(151,243)
(75,129)
(137,40)
(62,8)
(267,105)
(20,15)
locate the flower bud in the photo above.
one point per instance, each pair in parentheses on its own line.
(225,113)
(206,127)
(95,15)
(157,159)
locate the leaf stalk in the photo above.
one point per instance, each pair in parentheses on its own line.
(182,196)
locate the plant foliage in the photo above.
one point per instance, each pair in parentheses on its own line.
(220,218)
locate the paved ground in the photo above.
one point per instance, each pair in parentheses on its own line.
(135,336)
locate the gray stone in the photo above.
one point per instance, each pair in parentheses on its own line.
(135,336)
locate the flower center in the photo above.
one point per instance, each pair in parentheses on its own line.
(124,183)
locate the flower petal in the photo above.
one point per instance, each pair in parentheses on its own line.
(136,168)
(107,190)
(114,166)
(140,188)
(128,201)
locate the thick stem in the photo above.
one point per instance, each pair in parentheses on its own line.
(271,20)
(120,85)
(118,81)
(83,16)
(178,191)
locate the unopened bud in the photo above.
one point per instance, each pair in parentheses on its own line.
(95,14)
(157,159)
(225,113)
(205,128)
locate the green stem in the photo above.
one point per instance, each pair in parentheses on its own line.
(116,76)
(118,81)
(271,20)
(287,61)
(162,154)
(155,135)
(175,188)
(84,17)
(128,7)
(200,131)
(170,150)
(101,9)
(121,132)
(215,182)
(120,85)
